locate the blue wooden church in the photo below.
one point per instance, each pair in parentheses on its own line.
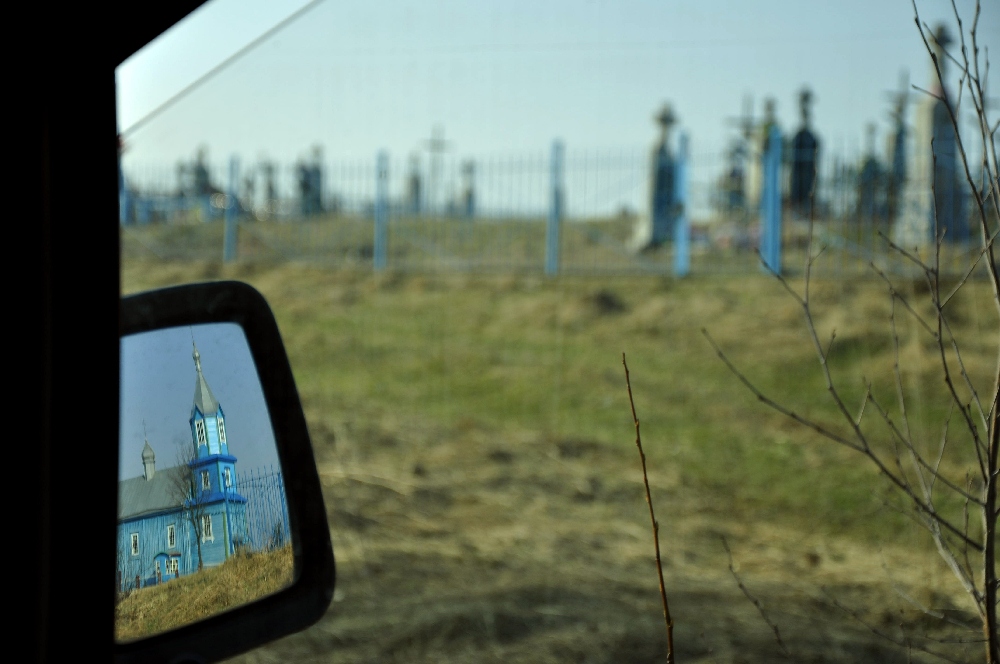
(178,520)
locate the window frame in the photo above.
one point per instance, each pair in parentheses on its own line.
(206,528)
(206,481)
(134,543)
(171,536)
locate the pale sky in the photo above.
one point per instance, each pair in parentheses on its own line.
(510,77)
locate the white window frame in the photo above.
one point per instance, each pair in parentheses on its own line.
(174,566)
(206,528)
(206,481)
(222,430)
(171,536)
(199,426)
(135,544)
(158,569)
(228,476)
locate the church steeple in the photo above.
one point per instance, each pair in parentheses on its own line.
(208,427)
(148,461)
(204,400)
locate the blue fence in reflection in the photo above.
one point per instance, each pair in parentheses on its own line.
(267,525)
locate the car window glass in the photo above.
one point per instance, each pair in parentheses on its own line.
(464,214)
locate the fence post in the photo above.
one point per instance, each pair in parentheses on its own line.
(555,211)
(232,210)
(770,204)
(682,229)
(381,210)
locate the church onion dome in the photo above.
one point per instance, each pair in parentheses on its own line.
(147,453)
(204,400)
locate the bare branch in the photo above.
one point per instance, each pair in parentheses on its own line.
(888,637)
(756,602)
(652,517)
(861,446)
(917,605)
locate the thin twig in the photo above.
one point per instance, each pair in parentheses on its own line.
(888,637)
(756,602)
(652,517)
(861,446)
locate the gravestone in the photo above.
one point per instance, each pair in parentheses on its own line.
(250,190)
(933,189)
(314,172)
(758,149)
(896,152)
(468,189)
(414,187)
(736,180)
(658,227)
(733,181)
(871,208)
(304,177)
(805,160)
(202,183)
(270,187)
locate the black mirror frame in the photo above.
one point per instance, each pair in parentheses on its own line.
(306,600)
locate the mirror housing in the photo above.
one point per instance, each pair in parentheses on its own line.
(307,598)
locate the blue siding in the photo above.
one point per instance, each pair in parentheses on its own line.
(228,519)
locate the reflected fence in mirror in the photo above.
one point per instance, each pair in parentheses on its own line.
(203,520)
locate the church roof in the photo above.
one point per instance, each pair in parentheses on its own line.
(204,400)
(138,496)
(147,453)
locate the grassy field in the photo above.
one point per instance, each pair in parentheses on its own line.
(238,581)
(475,444)
(596,246)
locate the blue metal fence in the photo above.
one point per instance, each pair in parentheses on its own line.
(570,211)
(266,509)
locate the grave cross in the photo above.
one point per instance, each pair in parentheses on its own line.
(666,119)
(745,123)
(805,149)
(940,41)
(436,146)
(805,100)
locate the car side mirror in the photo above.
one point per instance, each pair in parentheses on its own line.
(223,543)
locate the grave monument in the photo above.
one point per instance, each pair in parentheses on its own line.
(759,148)
(805,160)
(933,189)
(657,228)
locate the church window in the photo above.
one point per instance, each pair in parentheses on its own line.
(222,431)
(206,482)
(206,528)
(157,568)
(200,427)
(171,536)
(173,566)
(228,476)
(135,544)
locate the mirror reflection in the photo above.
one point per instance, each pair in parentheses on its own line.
(202,510)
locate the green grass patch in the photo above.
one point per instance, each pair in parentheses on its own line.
(524,356)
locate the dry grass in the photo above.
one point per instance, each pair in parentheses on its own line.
(475,443)
(240,580)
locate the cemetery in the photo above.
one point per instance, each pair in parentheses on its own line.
(567,210)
